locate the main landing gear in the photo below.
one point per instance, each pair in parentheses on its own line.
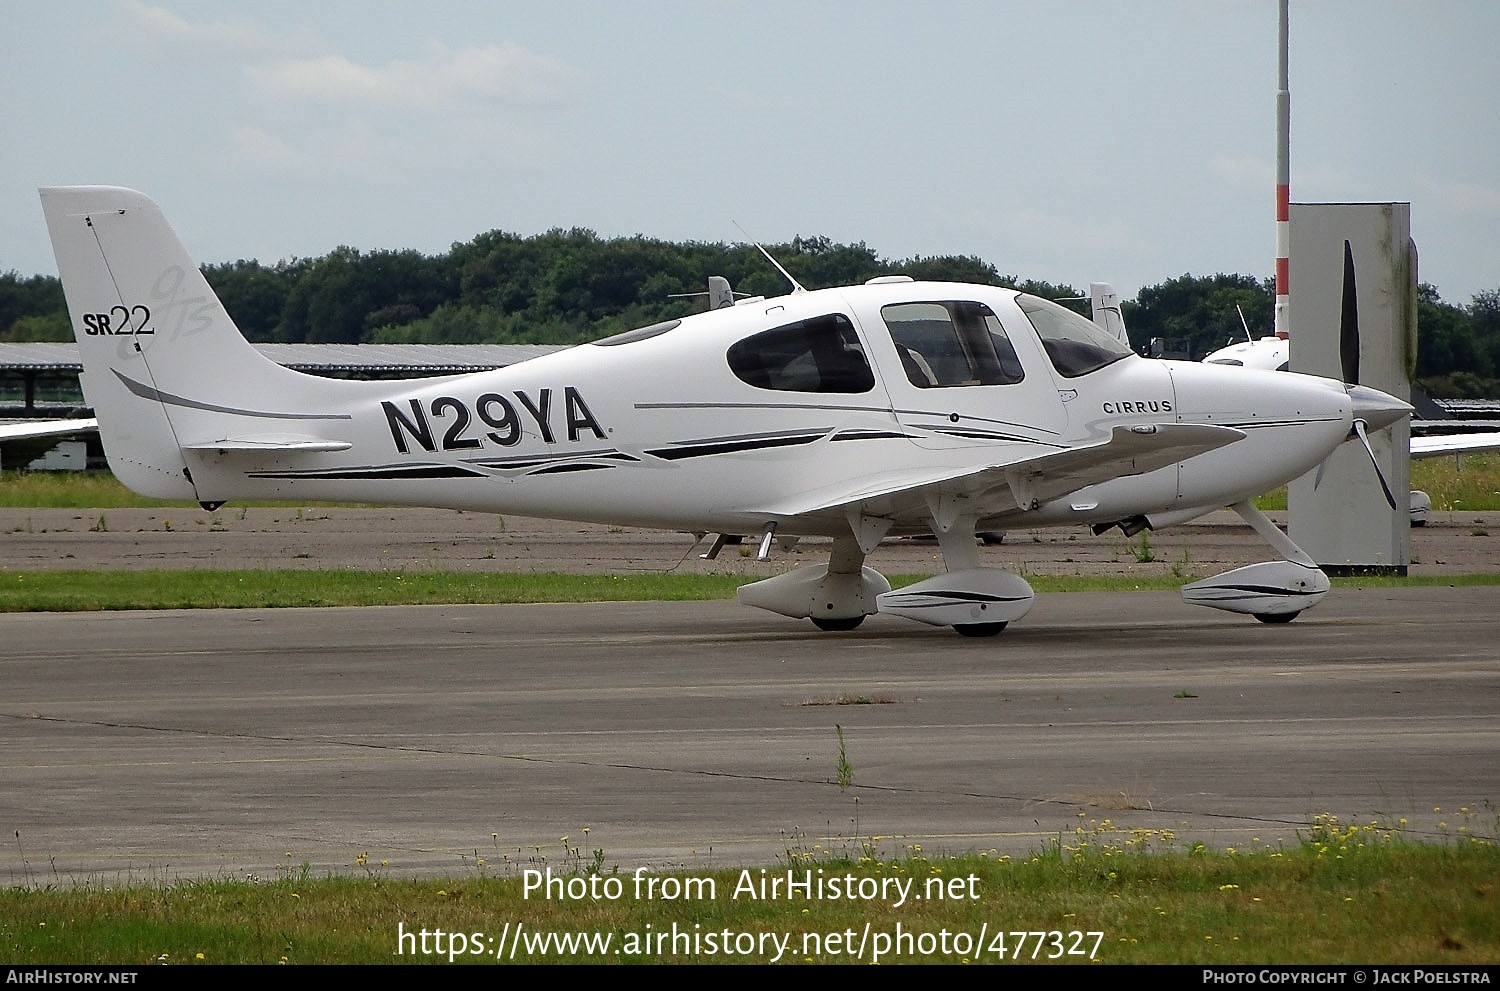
(978,629)
(976,601)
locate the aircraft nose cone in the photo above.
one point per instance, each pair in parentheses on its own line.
(1378,409)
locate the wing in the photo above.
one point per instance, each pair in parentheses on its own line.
(995,488)
(1432,447)
(46,428)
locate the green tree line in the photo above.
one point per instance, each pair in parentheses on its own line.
(571,286)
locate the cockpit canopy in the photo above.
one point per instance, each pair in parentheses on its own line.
(941,343)
(1074,345)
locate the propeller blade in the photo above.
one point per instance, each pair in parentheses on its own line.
(1349,322)
(1359,431)
(1318,478)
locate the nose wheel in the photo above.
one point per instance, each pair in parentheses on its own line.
(978,629)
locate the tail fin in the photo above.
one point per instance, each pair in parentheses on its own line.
(153,338)
(1104,304)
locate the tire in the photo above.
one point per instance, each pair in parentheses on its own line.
(837,625)
(978,629)
(1276,617)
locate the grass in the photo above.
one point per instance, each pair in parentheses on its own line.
(845,772)
(79,591)
(92,490)
(1344,893)
(73,591)
(1470,483)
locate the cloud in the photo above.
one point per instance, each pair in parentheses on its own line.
(297,66)
(1463,198)
(1245,171)
(1059,235)
(288,103)
(439,79)
(262,151)
(1321,181)
(1258,175)
(212,39)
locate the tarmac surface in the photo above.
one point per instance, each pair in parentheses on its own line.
(445,540)
(457,740)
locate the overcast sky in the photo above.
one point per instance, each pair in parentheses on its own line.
(1068,141)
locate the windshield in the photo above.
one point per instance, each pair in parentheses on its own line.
(1074,345)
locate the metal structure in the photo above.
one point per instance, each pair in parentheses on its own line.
(1356,271)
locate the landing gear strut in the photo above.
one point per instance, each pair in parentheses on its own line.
(1272,591)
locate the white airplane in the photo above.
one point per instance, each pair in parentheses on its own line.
(1269,353)
(895,407)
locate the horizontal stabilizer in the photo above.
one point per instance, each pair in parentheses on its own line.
(273,443)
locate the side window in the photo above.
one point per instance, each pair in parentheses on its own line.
(952,343)
(817,355)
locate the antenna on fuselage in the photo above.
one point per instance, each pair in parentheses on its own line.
(796,286)
(1244,323)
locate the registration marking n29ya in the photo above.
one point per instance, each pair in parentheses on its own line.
(502,420)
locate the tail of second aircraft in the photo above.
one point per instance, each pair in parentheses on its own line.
(1104,303)
(164,367)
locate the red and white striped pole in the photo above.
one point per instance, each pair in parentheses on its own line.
(1283,185)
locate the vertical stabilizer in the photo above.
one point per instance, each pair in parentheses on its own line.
(163,365)
(1104,307)
(719,293)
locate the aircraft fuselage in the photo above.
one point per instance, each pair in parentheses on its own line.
(605,432)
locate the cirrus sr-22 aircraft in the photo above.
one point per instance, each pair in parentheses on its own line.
(855,413)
